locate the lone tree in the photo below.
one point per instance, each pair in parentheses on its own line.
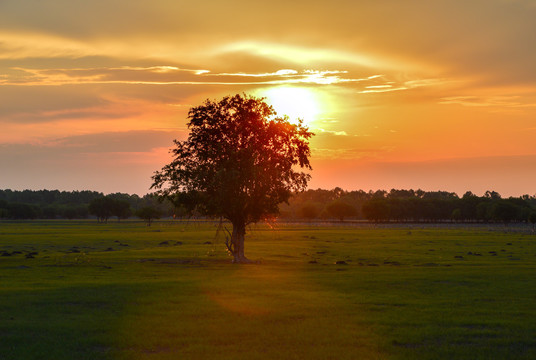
(240,162)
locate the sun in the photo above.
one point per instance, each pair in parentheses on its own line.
(295,102)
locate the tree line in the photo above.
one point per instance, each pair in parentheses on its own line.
(336,204)
(55,204)
(410,206)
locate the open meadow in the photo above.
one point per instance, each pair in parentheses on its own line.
(85,290)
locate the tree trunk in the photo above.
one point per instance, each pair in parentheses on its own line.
(237,238)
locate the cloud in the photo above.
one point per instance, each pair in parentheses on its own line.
(342,154)
(385,84)
(36,104)
(120,142)
(31,45)
(514,101)
(334,132)
(171,75)
(142,141)
(381,89)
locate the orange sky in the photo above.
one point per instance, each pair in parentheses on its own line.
(438,95)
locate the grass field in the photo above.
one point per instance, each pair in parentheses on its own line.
(83,290)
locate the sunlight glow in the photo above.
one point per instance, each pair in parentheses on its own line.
(296,102)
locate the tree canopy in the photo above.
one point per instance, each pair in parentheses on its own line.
(239,162)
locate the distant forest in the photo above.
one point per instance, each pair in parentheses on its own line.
(336,204)
(55,204)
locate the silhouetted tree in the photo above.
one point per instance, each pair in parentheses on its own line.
(376,209)
(340,210)
(309,211)
(532,219)
(456,214)
(121,209)
(102,208)
(148,214)
(22,211)
(3,209)
(239,162)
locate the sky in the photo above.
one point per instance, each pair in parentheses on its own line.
(436,95)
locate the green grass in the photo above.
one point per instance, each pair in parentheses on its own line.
(119,291)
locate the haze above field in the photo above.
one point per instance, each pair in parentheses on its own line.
(435,95)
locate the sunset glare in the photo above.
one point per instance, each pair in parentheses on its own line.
(296,103)
(400,94)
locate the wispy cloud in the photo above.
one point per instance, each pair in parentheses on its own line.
(333,132)
(171,75)
(514,101)
(348,153)
(382,84)
(305,55)
(17,45)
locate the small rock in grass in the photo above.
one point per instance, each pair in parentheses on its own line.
(178,243)
(109,249)
(469,253)
(164,243)
(313,262)
(458,257)
(207,243)
(341,262)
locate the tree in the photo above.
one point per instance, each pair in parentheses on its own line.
(3,209)
(121,209)
(148,214)
(22,211)
(239,162)
(340,210)
(532,219)
(102,208)
(456,214)
(309,211)
(376,209)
